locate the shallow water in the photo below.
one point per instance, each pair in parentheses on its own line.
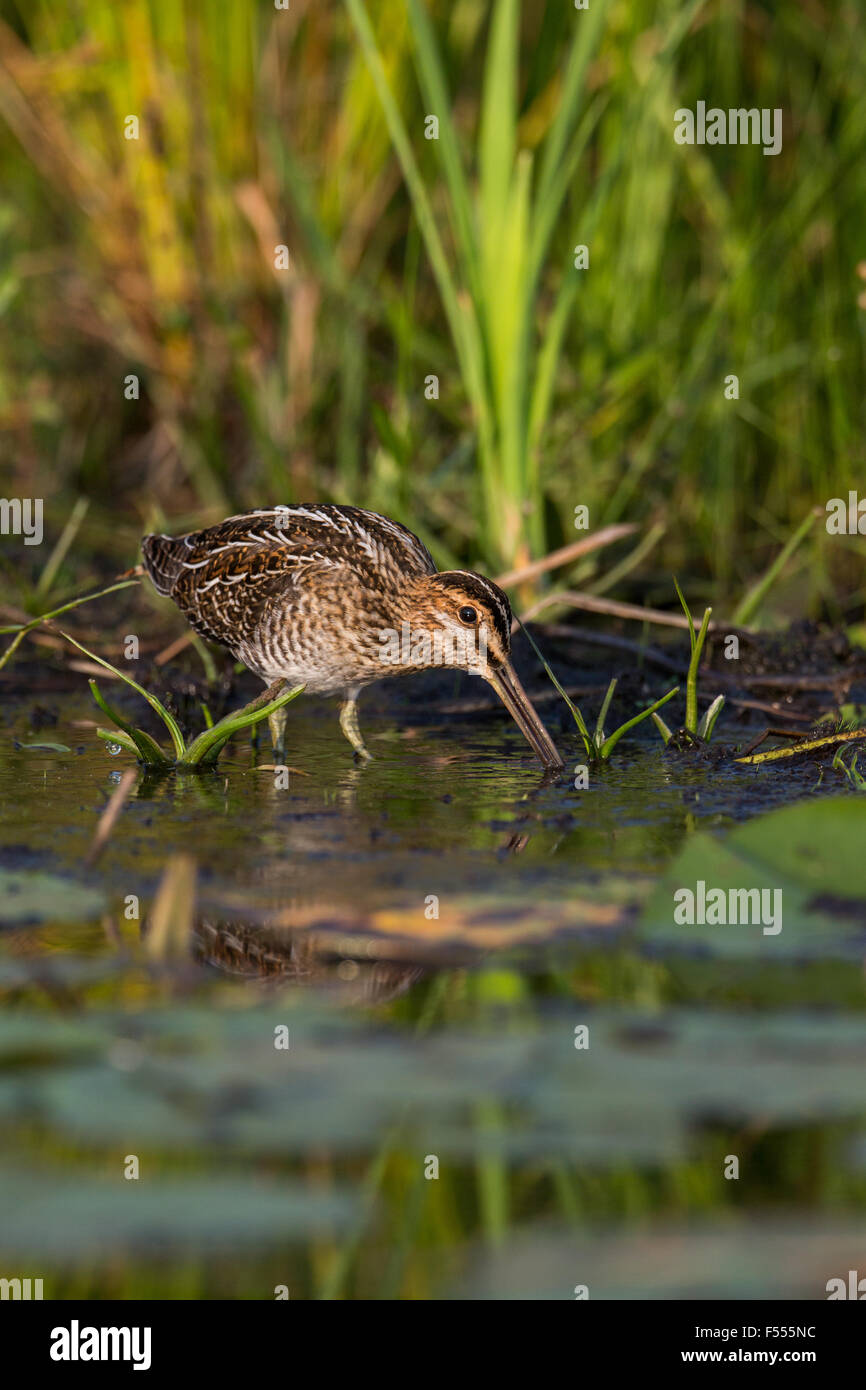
(431,929)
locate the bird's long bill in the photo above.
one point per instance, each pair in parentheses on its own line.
(516,701)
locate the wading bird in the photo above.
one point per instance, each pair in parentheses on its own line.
(334,598)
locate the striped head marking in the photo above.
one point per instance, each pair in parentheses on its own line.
(459,600)
(474,611)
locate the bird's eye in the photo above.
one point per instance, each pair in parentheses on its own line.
(467,615)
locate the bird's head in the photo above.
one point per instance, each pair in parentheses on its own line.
(462,620)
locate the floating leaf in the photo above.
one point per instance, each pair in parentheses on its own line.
(135,740)
(751,1258)
(37,897)
(205,749)
(48,747)
(186,1080)
(810,853)
(68,1219)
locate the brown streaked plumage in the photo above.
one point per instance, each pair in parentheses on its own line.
(334,598)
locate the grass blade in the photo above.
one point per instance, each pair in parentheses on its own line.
(746,610)
(434,86)
(64,541)
(697,644)
(611,742)
(205,749)
(588,25)
(21,629)
(602,714)
(146,747)
(662,728)
(708,721)
(576,715)
(167,719)
(411,173)
(122,740)
(498,134)
(688,613)
(692,678)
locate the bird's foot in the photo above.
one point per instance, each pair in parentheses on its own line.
(277,725)
(351,729)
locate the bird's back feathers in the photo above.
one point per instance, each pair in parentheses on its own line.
(221,578)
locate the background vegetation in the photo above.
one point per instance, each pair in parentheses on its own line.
(558,387)
(411,257)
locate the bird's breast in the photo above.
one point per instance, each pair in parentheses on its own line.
(326,637)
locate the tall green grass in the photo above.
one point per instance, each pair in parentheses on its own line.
(453,257)
(489,271)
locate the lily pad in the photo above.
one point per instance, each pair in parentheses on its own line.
(809,862)
(752,1259)
(27,897)
(190,1080)
(67,1219)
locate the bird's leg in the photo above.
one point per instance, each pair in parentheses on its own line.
(277,725)
(349,725)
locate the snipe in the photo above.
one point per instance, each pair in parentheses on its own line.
(334,598)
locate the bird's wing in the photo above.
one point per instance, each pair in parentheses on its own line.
(222,578)
(366,542)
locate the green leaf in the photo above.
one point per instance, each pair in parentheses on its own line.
(756,595)
(165,716)
(662,727)
(75,1218)
(434,85)
(498,135)
(21,629)
(39,897)
(697,646)
(205,749)
(688,613)
(121,740)
(147,749)
(602,714)
(611,742)
(812,853)
(710,715)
